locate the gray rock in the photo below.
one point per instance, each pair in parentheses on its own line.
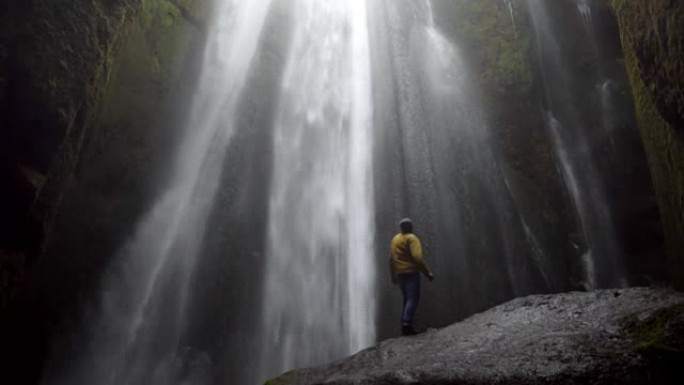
(630,336)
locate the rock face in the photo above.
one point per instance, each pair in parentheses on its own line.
(652,39)
(82,87)
(55,59)
(58,60)
(630,336)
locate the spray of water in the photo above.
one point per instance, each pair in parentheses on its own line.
(448,163)
(431,15)
(319,300)
(584,11)
(573,144)
(509,4)
(137,339)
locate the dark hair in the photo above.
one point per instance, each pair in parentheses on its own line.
(406,225)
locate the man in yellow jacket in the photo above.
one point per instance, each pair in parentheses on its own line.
(406,263)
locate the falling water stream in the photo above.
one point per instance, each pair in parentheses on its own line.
(137,339)
(574,139)
(320,267)
(584,11)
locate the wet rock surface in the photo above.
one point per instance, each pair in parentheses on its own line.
(652,35)
(630,336)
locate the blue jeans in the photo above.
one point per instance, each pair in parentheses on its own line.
(409,283)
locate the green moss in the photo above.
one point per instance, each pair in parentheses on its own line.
(157,37)
(145,76)
(277,381)
(500,50)
(283,379)
(652,335)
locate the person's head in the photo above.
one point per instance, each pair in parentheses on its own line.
(406,226)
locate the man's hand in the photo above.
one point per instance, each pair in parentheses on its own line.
(430,277)
(393,274)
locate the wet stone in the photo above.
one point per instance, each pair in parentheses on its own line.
(630,336)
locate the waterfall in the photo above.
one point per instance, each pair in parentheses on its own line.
(454,112)
(608,113)
(571,176)
(584,11)
(138,336)
(574,141)
(431,14)
(319,295)
(509,5)
(447,177)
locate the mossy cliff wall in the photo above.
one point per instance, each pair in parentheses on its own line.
(83,84)
(498,38)
(653,42)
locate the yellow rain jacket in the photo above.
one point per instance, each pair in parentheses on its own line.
(406,255)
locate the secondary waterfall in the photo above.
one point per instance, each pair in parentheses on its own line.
(138,336)
(320,267)
(575,140)
(436,162)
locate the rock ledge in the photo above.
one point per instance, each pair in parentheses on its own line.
(630,336)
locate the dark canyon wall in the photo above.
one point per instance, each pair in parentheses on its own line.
(85,87)
(653,42)
(56,58)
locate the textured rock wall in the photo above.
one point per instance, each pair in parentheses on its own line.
(653,42)
(85,88)
(56,65)
(55,60)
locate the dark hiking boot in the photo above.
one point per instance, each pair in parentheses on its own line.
(407,330)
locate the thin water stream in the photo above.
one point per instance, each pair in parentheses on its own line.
(573,135)
(136,338)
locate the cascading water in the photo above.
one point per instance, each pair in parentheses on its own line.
(368,112)
(319,296)
(584,11)
(572,136)
(608,113)
(138,337)
(511,13)
(603,88)
(449,98)
(445,174)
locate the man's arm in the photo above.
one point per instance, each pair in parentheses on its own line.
(417,256)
